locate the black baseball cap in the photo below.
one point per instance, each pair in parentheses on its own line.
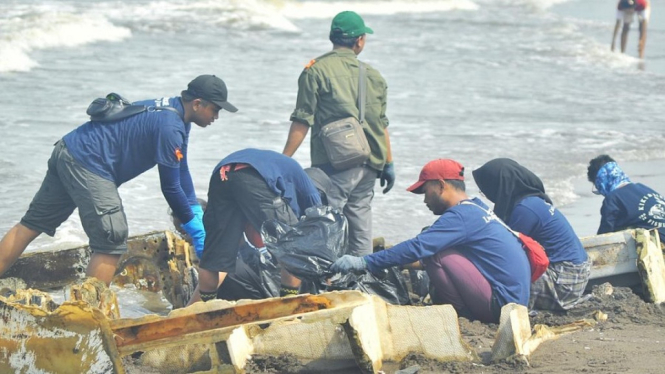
(211,88)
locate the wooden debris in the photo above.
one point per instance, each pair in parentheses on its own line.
(95,293)
(74,338)
(515,338)
(650,265)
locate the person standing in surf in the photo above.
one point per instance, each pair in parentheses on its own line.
(89,164)
(626,10)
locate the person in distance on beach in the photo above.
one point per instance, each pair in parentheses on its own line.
(626,10)
(327,92)
(473,261)
(89,164)
(626,204)
(521,202)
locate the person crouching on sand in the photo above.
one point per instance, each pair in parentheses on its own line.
(474,262)
(521,202)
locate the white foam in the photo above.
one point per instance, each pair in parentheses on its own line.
(538,4)
(325,9)
(27,32)
(177,15)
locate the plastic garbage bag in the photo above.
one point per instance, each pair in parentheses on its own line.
(308,248)
(390,286)
(256,276)
(419,282)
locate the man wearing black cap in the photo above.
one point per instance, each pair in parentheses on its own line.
(89,164)
(328,91)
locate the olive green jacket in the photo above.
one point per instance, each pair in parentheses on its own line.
(328,91)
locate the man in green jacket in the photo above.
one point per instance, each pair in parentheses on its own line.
(327,92)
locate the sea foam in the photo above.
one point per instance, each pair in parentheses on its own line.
(27,32)
(324,9)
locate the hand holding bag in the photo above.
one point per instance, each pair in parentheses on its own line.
(344,140)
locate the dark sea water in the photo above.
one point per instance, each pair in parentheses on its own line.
(532,80)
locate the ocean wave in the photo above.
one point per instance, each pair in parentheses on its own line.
(29,31)
(538,4)
(325,9)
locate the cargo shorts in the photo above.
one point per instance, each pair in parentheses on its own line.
(244,196)
(68,186)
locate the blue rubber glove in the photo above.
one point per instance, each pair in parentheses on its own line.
(195,230)
(347,264)
(198,211)
(388,177)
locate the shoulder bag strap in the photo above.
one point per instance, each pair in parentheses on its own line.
(362,91)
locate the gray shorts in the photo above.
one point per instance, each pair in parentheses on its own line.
(68,186)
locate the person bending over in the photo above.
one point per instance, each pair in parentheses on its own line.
(249,186)
(626,204)
(89,164)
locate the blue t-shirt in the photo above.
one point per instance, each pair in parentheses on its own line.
(540,220)
(122,150)
(494,250)
(633,206)
(283,175)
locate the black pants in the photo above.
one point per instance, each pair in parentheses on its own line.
(243,197)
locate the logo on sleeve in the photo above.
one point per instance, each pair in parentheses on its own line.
(178,154)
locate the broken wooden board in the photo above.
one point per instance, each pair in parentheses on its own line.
(650,265)
(613,258)
(514,337)
(157,261)
(330,331)
(74,338)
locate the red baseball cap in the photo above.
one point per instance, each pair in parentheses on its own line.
(443,168)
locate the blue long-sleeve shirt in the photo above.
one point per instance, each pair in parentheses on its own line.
(494,250)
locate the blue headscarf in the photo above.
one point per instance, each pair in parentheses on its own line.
(609,178)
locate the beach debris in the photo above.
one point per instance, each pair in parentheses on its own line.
(599,316)
(613,258)
(515,339)
(323,332)
(604,289)
(320,332)
(651,265)
(73,338)
(95,293)
(157,261)
(34,298)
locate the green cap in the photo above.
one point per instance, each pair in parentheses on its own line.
(349,24)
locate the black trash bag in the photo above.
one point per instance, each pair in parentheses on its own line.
(308,248)
(419,282)
(390,286)
(256,276)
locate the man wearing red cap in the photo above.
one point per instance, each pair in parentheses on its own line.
(328,91)
(473,261)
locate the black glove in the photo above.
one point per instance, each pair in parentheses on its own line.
(388,177)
